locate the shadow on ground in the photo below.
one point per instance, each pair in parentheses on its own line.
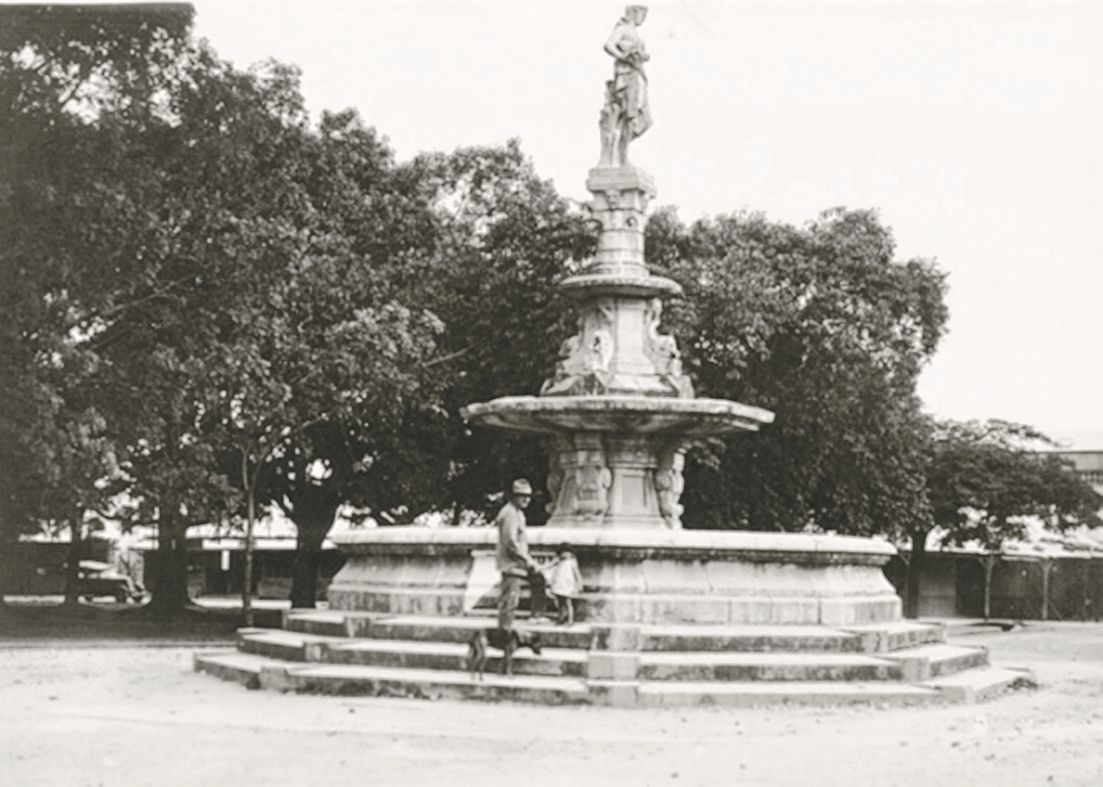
(85,622)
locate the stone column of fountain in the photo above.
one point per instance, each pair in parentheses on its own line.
(619,413)
(619,408)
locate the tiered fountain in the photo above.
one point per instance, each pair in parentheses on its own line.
(619,414)
(667,615)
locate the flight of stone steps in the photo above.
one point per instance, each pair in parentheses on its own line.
(361,653)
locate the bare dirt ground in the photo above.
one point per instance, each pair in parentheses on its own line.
(83,713)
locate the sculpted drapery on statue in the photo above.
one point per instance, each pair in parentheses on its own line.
(626,114)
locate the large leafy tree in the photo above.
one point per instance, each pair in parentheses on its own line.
(985,482)
(823,326)
(336,351)
(299,346)
(505,239)
(215,276)
(65,73)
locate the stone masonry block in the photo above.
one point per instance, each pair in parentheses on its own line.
(751,609)
(612,665)
(615,693)
(915,669)
(614,636)
(794,610)
(685,609)
(275,678)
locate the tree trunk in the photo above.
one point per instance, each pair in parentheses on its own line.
(170,593)
(72,566)
(1047,564)
(915,570)
(8,551)
(989,567)
(313,513)
(247,585)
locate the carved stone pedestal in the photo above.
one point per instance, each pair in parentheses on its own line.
(615,480)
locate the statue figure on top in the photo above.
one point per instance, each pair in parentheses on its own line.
(625,114)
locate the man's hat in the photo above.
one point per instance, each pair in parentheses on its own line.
(521,487)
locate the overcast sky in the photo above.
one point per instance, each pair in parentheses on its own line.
(974,127)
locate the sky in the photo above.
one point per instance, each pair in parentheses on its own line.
(973,127)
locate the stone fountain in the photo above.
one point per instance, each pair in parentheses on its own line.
(667,616)
(619,414)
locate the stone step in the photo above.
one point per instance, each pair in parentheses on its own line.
(923,662)
(348,679)
(317,621)
(749,638)
(436,684)
(750,694)
(871,638)
(734,666)
(289,645)
(426,628)
(980,683)
(884,637)
(232,665)
(556,662)
(256,671)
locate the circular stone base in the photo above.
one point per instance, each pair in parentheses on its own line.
(630,576)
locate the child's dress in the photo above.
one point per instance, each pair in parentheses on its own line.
(566,579)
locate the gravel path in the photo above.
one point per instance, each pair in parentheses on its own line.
(138,715)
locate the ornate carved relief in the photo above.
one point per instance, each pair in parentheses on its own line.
(580,478)
(592,482)
(555,473)
(669,483)
(662,351)
(584,358)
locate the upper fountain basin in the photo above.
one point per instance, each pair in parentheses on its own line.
(619,414)
(597,280)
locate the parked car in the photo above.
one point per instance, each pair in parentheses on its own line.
(96,579)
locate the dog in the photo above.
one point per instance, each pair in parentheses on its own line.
(506,641)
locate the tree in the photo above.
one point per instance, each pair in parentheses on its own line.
(225,273)
(62,71)
(506,239)
(822,326)
(985,481)
(333,351)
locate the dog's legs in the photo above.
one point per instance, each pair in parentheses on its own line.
(507,653)
(476,656)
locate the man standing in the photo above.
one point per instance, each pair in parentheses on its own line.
(514,561)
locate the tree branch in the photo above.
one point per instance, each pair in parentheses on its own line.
(446,358)
(138,301)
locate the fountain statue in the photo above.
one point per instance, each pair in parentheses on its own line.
(626,114)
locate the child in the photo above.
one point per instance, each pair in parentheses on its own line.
(565,585)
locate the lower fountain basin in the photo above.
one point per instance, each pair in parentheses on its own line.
(643,415)
(629,576)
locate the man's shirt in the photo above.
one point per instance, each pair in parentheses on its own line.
(513,552)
